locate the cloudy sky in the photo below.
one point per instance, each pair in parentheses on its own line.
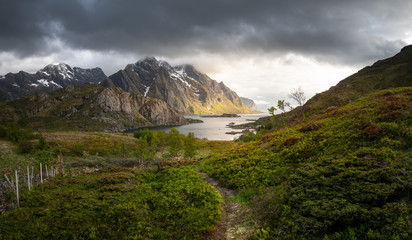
(261,49)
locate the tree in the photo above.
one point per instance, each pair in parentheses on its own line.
(143,150)
(282,105)
(298,95)
(175,142)
(190,145)
(272,113)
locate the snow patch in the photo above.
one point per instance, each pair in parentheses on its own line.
(15,85)
(179,74)
(45,83)
(45,73)
(58,85)
(147,90)
(2,77)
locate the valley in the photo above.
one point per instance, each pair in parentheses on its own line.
(338,167)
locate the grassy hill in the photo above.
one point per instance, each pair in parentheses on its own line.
(392,72)
(337,175)
(389,73)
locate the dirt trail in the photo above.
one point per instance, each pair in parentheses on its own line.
(235,222)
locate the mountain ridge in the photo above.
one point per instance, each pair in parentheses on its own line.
(392,72)
(89,107)
(48,79)
(183,87)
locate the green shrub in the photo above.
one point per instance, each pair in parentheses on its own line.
(117,204)
(25,146)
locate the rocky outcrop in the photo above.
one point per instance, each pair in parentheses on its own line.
(249,103)
(89,107)
(182,87)
(156,112)
(46,80)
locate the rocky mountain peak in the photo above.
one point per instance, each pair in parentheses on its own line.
(183,87)
(47,79)
(57,69)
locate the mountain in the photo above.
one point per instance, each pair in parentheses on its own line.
(89,107)
(249,103)
(50,78)
(183,87)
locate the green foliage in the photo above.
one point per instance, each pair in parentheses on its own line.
(45,157)
(344,174)
(25,146)
(175,142)
(145,133)
(15,134)
(23,137)
(42,142)
(190,145)
(144,150)
(117,204)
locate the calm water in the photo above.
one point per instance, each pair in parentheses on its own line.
(213,128)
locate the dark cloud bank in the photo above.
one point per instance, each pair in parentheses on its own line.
(345,32)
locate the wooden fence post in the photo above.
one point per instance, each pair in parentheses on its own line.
(28,177)
(47,172)
(41,174)
(10,183)
(17,188)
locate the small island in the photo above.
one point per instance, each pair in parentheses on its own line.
(231,115)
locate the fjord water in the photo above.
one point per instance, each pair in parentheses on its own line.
(213,128)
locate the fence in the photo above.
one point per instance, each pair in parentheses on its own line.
(29,179)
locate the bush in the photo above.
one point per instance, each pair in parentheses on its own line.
(171,204)
(25,146)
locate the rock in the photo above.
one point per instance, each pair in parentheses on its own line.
(92,107)
(182,87)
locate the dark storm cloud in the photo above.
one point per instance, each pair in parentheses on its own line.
(341,31)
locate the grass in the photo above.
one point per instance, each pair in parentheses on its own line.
(332,175)
(11,159)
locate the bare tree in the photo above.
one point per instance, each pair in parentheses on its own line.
(298,95)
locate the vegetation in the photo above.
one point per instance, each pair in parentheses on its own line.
(117,203)
(338,175)
(337,167)
(298,95)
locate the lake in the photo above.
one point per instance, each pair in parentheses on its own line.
(213,128)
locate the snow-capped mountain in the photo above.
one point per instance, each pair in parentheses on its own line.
(183,87)
(50,78)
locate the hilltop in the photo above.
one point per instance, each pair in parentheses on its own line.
(389,73)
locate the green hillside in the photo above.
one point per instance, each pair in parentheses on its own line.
(392,72)
(389,73)
(337,175)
